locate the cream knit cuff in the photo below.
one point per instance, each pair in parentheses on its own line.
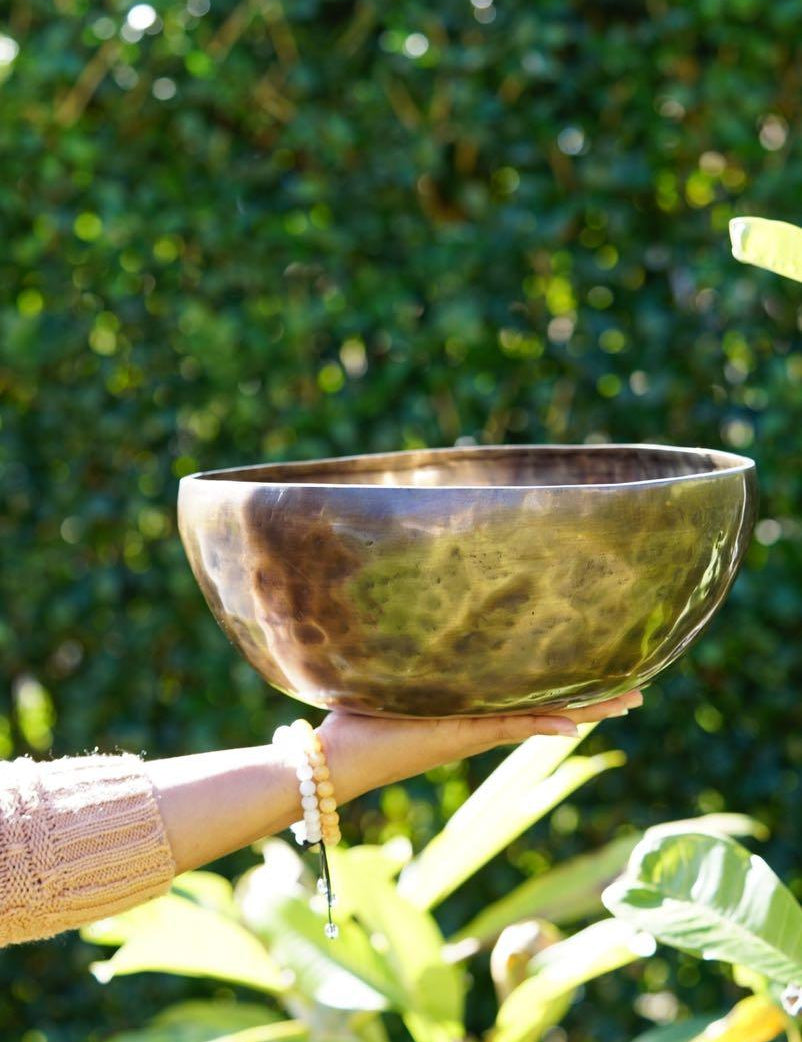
(81,838)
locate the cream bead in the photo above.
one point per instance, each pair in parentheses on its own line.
(330,817)
(327,803)
(325,788)
(331,839)
(321,773)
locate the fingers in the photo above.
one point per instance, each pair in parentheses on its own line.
(618,706)
(366,752)
(508,730)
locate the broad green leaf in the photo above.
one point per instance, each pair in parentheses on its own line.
(684,1031)
(347,973)
(573,890)
(410,941)
(774,245)
(179,936)
(202,1021)
(517,794)
(540,1001)
(710,896)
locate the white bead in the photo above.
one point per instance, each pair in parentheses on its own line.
(309,802)
(282,734)
(304,772)
(308,788)
(313,836)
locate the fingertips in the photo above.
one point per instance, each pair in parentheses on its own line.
(559,725)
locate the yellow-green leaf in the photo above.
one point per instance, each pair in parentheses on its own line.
(517,794)
(773,245)
(539,1002)
(754,1019)
(175,935)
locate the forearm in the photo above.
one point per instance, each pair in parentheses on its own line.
(216,802)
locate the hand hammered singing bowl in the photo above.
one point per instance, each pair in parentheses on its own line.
(469,581)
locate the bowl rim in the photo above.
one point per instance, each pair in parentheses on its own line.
(226,475)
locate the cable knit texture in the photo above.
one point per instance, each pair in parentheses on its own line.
(81,838)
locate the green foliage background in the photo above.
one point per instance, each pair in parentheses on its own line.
(266,231)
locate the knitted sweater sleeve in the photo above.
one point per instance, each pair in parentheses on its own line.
(81,838)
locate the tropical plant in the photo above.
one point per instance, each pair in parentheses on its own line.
(711,897)
(267,932)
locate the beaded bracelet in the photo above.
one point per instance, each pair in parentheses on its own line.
(319,827)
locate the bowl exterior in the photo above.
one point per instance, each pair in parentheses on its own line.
(464,601)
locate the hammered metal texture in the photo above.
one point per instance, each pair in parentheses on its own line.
(469,580)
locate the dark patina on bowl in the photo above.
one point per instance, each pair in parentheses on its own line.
(469,580)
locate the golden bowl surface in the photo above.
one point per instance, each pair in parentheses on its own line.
(469,580)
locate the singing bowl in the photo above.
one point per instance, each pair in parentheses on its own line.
(473,580)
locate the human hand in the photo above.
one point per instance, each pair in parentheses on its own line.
(365,752)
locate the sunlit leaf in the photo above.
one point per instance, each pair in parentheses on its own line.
(540,1001)
(710,896)
(516,794)
(208,889)
(774,245)
(347,973)
(411,943)
(722,823)
(754,1019)
(179,936)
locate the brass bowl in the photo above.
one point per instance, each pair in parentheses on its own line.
(469,580)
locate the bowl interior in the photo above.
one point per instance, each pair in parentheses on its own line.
(496,466)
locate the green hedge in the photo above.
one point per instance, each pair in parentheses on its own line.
(270,231)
